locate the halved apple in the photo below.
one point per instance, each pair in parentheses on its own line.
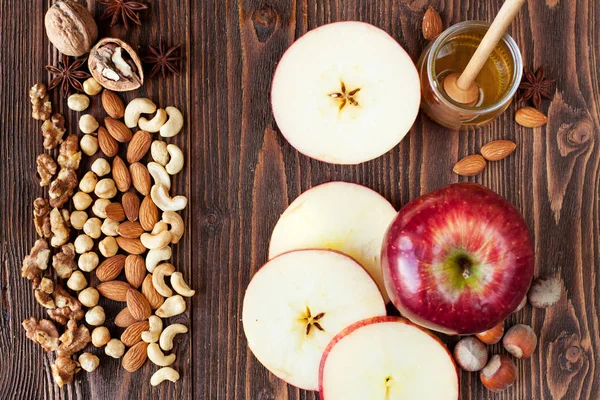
(345,93)
(338,216)
(387,358)
(295,305)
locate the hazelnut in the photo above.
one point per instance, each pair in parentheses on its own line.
(92,228)
(89,145)
(78,219)
(492,336)
(109,227)
(88,124)
(82,200)
(83,243)
(499,373)
(106,189)
(77,281)
(99,207)
(71,28)
(545,291)
(470,354)
(115,348)
(91,87)
(89,297)
(88,362)
(100,336)
(88,182)
(88,261)
(108,246)
(78,102)
(520,341)
(101,167)
(95,316)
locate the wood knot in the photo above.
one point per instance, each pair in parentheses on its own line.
(570,356)
(265,21)
(212,219)
(573,354)
(575,136)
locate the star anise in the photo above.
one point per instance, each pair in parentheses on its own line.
(124,10)
(535,86)
(163,61)
(67,75)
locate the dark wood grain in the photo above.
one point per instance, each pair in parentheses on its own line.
(241,174)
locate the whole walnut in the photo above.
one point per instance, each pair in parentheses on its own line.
(71,28)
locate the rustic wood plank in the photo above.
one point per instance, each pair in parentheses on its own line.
(241,174)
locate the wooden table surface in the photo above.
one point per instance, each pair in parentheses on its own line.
(241,174)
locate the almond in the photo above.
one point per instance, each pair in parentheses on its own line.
(139,146)
(131,246)
(114,290)
(529,117)
(498,150)
(115,212)
(121,174)
(133,333)
(432,24)
(138,305)
(470,165)
(112,103)
(124,319)
(130,230)
(107,143)
(135,357)
(148,214)
(110,268)
(135,270)
(118,130)
(142,182)
(131,206)
(154,298)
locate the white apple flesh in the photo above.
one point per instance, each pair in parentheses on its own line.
(297,302)
(387,358)
(345,93)
(338,216)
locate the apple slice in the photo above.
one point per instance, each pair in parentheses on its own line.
(297,303)
(338,216)
(345,93)
(387,358)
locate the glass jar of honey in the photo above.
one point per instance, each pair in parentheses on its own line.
(449,53)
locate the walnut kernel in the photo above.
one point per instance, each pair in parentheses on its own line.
(41,107)
(64,261)
(36,261)
(62,187)
(60,232)
(41,218)
(46,168)
(70,156)
(53,130)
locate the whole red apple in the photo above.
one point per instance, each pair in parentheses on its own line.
(457,260)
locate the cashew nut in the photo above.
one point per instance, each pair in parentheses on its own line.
(166,337)
(137,107)
(152,335)
(164,374)
(159,152)
(160,197)
(155,256)
(160,226)
(158,241)
(177,225)
(175,165)
(156,355)
(158,278)
(155,123)
(172,306)
(159,174)
(180,286)
(174,125)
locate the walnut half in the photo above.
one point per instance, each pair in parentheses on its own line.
(37,260)
(41,107)
(63,370)
(46,168)
(64,262)
(115,65)
(70,156)
(43,332)
(68,307)
(75,339)
(41,218)
(62,187)
(53,130)
(60,231)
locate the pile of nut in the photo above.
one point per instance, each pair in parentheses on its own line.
(499,372)
(118,221)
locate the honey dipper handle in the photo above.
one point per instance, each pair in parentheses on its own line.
(505,16)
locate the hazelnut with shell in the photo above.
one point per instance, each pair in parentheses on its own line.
(115,65)
(71,28)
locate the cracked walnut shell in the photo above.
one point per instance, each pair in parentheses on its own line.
(115,65)
(41,107)
(53,130)
(46,168)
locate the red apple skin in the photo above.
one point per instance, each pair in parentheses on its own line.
(481,224)
(375,320)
